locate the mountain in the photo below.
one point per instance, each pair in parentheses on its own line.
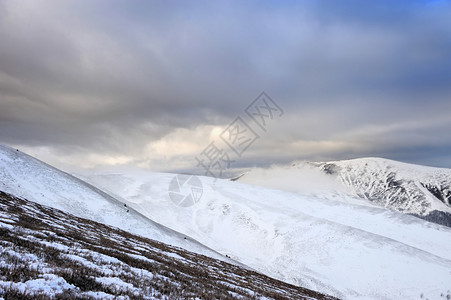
(411,189)
(48,254)
(26,177)
(317,236)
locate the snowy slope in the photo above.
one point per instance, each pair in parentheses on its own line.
(43,255)
(412,189)
(24,176)
(316,238)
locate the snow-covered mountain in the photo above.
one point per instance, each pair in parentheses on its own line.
(317,237)
(411,189)
(24,176)
(48,254)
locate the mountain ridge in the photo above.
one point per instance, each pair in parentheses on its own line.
(27,177)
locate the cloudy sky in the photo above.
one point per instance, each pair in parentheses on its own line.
(108,84)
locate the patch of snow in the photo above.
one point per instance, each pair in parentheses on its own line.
(50,285)
(115,282)
(6,225)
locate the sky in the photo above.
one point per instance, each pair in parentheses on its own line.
(96,85)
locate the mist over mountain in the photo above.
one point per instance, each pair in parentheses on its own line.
(421,191)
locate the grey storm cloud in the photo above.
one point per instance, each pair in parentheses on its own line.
(355,78)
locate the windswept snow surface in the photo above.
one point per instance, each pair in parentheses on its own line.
(411,189)
(317,238)
(26,177)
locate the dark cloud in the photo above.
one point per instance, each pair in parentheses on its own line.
(121,78)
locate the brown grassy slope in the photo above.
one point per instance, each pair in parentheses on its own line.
(89,256)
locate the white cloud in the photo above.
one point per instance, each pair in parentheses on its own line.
(108,83)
